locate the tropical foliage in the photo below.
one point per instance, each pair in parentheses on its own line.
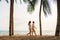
(46,7)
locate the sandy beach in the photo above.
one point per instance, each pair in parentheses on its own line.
(29,38)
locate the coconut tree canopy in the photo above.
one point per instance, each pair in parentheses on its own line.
(32,3)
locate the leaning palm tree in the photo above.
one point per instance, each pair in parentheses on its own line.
(57,33)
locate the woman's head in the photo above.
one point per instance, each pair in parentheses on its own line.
(29,22)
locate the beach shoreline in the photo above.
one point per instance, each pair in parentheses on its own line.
(24,37)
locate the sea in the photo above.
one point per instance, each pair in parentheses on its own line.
(25,32)
(15,32)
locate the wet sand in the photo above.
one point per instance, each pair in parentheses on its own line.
(29,38)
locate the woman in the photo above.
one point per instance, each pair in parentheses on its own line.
(29,24)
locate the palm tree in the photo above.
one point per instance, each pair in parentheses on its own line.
(11,23)
(58,20)
(46,9)
(11,29)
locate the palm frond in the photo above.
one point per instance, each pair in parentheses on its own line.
(20,2)
(31,5)
(25,1)
(7,1)
(16,1)
(0,0)
(30,8)
(46,7)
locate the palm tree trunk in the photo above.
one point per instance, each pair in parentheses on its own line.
(58,20)
(11,31)
(40,18)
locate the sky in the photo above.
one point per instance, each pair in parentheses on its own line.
(22,17)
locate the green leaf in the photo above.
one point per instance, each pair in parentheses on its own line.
(46,7)
(0,0)
(7,1)
(25,1)
(30,8)
(31,5)
(16,1)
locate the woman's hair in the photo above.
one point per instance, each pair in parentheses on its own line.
(29,22)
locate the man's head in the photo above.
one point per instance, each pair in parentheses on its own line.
(33,22)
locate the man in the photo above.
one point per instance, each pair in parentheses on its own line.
(33,28)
